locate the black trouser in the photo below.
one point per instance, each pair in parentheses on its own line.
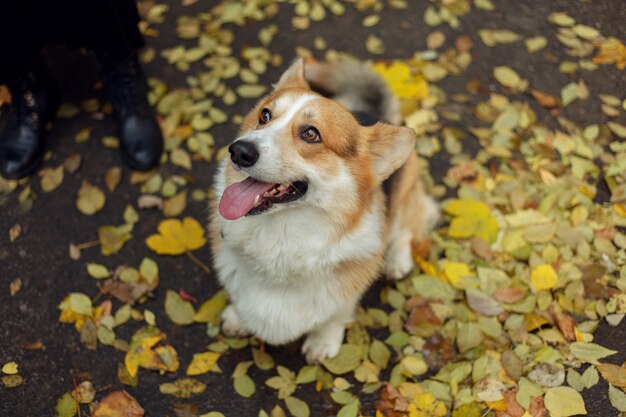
(26,26)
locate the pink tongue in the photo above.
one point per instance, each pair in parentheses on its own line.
(238,199)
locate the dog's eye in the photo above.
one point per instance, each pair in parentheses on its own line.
(265,117)
(310,134)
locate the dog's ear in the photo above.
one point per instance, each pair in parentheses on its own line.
(390,147)
(293,77)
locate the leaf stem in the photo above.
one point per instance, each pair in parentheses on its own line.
(87,245)
(198,262)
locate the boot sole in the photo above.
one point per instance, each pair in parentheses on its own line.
(26,171)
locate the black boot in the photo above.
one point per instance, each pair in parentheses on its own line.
(34,102)
(141,141)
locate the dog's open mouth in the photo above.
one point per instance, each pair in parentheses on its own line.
(251,196)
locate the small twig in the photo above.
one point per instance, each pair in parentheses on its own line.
(75,392)
(104,388)
(87,245)
(198,262)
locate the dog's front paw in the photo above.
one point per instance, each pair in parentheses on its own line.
(320,346)
(232,325)
(398,262)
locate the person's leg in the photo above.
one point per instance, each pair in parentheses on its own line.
(141,142)
(34,97)
(116,44)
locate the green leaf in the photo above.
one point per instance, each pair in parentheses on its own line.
(244,386)
(349,410)
(183,388)
(575,380)
(590,352)
(469,336)
(149,270)
(348,359)
(66,406)
(590,377)
(379,354)
(78,303)
(297,407)
(617,398)
(307,374)
(98,271)
(262,360)
(178,310)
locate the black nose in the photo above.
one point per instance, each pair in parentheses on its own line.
(243,153)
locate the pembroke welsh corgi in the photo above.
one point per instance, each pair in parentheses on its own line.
(302,224)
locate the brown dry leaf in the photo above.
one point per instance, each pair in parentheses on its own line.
(465,171)
(482,249)
(613,374)
(566,324)
(464,43)
(509,295)
(391,403)
(15,286)
(126,292)
(118,404)
(545,100)
(513,409)
(5,95)
(537,407)
(435,39)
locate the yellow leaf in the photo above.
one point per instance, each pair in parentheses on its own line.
(499,405)
(140,353)
(176,237)
(564,401)
(611,51)
(402,81)
(426,266)
(211,309)
(472,218)
(202,363)
(131,361)
(414,365)
(535,321)
(426,405)
(543,277)
(10,368)
(454,273)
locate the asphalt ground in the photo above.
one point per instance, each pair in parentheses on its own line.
(40,255)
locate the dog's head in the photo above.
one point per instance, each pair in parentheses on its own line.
(298,148)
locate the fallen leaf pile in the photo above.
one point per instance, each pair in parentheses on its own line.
(498,317)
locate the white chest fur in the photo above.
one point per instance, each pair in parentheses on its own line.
(280,268)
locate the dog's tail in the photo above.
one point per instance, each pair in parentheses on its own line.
(355,85)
